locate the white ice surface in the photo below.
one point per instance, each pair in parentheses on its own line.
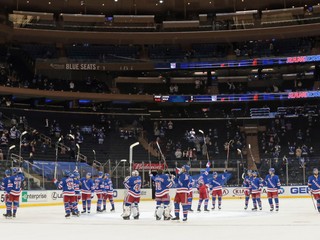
(296,219)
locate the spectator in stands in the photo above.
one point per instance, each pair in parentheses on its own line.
(1,127)
(176,89)
(44,146)
(13,121)
(171,89)
(14,133)
(192,134)
(79,138)
(197,84)
(299,136)
(4,140)
(178,153)
(71,86)
(237,51)
(298,153)
(304,150)
(101,136)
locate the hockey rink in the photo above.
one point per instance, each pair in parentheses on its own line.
(297,217)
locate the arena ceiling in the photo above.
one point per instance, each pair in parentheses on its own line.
(148,6)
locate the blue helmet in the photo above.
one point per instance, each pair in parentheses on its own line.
(186,167)
(271,170)
(7,172)
(76,174)
(315,171)
(14,171)
(254,173)
(100,174)
(249,171)
(67,173)
(214,174)
(107,175)
(89,174)
(202,171)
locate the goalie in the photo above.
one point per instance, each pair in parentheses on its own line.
(131,201)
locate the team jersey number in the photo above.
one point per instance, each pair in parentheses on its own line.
(70,186)
(158,186)
(17,184)
(137,187)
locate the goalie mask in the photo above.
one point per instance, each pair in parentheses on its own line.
(135,173)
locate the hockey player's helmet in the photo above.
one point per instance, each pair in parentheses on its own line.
(67,173)
(315,171)
(271,170)
(186,167)
(135,173)
(7,172)
(14,171)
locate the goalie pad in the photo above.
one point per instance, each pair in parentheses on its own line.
(159,211)
(135,210)
(167,211)
(126,211)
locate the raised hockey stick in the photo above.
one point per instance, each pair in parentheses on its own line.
(251,155)
(244,169)
(228,152)
(56,162)
(163,159)
(204,142)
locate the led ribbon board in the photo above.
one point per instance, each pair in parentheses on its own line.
(236,97)
(239,63)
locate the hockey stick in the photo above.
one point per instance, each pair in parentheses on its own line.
(244,169)
(312,199)
(251,155)
(163,159)
(228,152)
(204,142)
(56,163)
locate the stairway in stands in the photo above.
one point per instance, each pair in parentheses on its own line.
(253,157)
